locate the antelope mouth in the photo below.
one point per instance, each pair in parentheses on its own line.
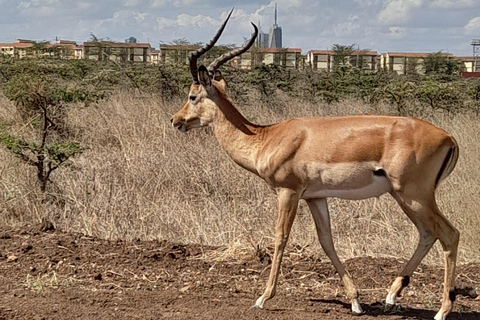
(185,125)
(180,126)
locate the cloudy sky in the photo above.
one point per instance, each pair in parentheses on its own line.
(381,25)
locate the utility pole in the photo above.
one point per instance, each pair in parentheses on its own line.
(476,53)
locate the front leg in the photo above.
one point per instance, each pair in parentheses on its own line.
(287,208)
(321,216)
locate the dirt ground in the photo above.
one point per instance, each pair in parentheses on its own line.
(56,275)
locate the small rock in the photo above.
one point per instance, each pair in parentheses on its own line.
(12,258)
(26,247)
(185,289)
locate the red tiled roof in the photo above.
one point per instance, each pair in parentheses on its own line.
(66,42)
(414,54)
(466,59)
(354,53)
(179,47)
(63,45)
(117,44)
(24,41)
(273,50)
(30,44)
(17,44)
(330,52)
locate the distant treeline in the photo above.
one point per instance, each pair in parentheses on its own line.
(86,81)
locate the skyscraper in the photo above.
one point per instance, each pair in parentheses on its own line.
(262,38)
(275,34)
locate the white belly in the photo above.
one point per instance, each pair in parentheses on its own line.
(379,186)
(347,181)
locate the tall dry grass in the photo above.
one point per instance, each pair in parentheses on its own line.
(140,179)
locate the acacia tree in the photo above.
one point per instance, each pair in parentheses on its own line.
(441,63)
(42,91)
(341,56)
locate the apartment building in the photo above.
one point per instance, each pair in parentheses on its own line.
(469,63)
(325,60)
(79,52)
(18,49)
(155,56)
(62,49)
(117,51)
(175,53)
(405,62)
(288,58)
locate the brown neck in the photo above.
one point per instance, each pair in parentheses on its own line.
(235,134)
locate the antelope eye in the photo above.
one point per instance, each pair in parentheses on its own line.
(193,98)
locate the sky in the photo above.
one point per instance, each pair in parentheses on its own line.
(380,25)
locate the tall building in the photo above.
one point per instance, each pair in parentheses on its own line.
(275,34)
(262,38)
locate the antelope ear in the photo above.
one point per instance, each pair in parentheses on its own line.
(218,77)
(204,77)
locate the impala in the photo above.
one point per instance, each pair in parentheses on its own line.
(351,157)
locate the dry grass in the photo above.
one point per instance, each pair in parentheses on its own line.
(140,179)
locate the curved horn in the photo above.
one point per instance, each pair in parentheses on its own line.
(232,54)
(197,54)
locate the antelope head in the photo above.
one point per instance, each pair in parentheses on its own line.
(207,87)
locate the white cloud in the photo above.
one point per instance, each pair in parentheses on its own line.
(473,26)
(397,11)
(164,22)
(132,3)
(167,4)
(367,3)
(158,3)
(287,3)
(446,4)
(125,22)
(60,10)
(24,5)
(184,20)
(348,27)
(240,18)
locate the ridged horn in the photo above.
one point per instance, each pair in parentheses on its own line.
(198,53)
(232,54)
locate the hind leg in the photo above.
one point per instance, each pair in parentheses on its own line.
(425,243)
(449,237)
(432,225)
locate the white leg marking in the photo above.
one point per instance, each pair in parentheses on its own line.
(391,299)
(259,303)
(440,315)
(356,308)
